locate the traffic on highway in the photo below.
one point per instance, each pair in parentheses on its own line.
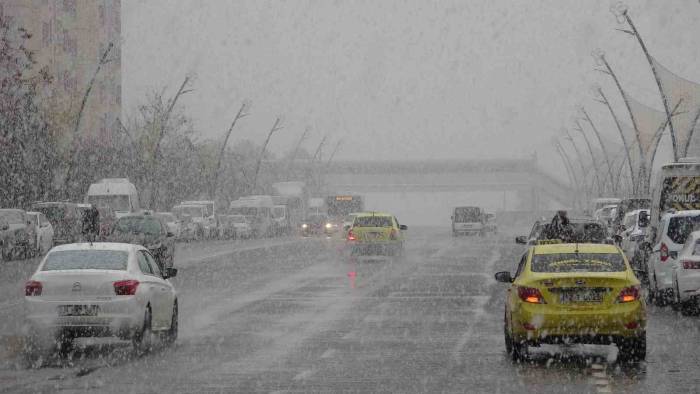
(304,196)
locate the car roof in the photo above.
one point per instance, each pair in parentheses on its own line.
(10,210)
(365,214)
(98,246)
(572,248)
(690,212)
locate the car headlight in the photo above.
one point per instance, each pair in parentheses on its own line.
(328,225)
(304,225)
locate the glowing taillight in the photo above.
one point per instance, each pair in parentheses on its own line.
(126,287)
(663,252)
(530,295)
(691,265)
(351,236)
(32,288)
(629,294)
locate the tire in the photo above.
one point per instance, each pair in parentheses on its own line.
(689,308)
(142,340)
(170,336)
(632,349)
(676,297)
(507,338)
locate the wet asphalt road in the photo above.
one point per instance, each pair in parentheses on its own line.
(296,316)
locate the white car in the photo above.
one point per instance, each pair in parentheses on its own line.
(43,230)
(674,228)
(173,223)
(241,227)
(98,290)
(632,235)
(686,276)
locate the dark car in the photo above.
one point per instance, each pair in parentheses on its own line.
(581,230)
(17,236)
(66,219)
(149,231)
(314,225)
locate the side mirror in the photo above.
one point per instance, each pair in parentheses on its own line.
(4,227)
(403,227)
(504,277)
(521,240)
(169,234)
(170,273)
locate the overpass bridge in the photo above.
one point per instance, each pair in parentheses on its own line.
(535,189)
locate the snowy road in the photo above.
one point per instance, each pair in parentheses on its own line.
(297,317)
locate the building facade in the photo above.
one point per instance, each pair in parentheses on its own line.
(68,38)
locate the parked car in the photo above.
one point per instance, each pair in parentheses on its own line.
(107,219)
(673,230)
(17,234)
(193,218)
(65,219)
(686,277)
(43,231)
(98,290)
(241,227)
(173,223)
(149,231)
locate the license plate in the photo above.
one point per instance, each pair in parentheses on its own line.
(581,296)
(78,310)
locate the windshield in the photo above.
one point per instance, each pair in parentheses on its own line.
(372,221)
(138,225)
(578,262)
(189,211)
(467,214)
(116,202)
(86,260)
(680,227)
(167,217)
(12,217)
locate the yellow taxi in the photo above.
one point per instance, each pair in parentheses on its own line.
(375,233)
(574,293)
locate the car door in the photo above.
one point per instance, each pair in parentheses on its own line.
(511,301)
(154,293)
(165,292)
(656,249)
(47,231)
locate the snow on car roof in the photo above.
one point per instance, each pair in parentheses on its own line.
(98,246)
(571,248)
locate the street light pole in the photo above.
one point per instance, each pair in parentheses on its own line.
(580,159)
(569,170)
(605,101)
(274,128)
(605,151)
(590,150)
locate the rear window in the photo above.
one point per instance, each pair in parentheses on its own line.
(372,221)
(86,260)
(137,225)
(467,214)
(12,216)
(680,227)
(578,262)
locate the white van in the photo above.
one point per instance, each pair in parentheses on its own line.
(258,211)
(116,193)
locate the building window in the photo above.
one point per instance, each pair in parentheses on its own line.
(69,7)
(46,33)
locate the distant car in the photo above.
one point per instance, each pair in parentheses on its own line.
(376,234)
(107,219)
(237,227)
(314,224)
(632,235)
(43,230)
(673,231)
(574,293)
(193,217)
(148,231)
(98,290)
(686,277)
(65,219)
(17,234)
(173,223)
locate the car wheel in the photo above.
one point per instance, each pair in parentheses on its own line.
(171,334)
(632,349)
(143,338)
(520,350)
(675,297)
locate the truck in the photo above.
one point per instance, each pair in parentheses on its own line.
(117,193)
(294,195)
(258,210)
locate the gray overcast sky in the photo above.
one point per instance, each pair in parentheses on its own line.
(398,79)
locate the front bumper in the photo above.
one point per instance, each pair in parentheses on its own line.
(548,324)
